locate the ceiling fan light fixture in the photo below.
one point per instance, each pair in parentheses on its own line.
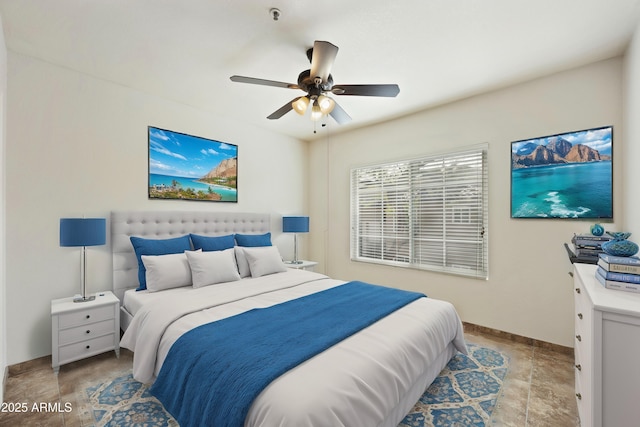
(300,105)
(316,112)
(326,104)
(317,82)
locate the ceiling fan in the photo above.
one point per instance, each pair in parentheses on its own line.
(318,83)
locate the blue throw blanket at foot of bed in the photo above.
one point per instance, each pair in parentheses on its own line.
(213,373)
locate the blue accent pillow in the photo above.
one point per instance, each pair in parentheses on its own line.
(156,247)
(212,243)
(253,240)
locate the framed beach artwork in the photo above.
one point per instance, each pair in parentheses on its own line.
(187,167)
(568,175)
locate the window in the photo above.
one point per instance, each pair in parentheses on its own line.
(428,213)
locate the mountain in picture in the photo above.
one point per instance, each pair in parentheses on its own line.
(557,151)
(224,173)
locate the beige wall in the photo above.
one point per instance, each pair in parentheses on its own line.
(631,195)
(529,290)
(77,146)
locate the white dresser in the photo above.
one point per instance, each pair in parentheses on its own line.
(607,352)
(84,329)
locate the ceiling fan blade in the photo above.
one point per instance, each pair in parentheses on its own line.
(339,115)
(367,90)
(282,110)
(263,82)
(324,53)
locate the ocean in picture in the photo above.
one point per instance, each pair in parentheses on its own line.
(228,194)
(568,190)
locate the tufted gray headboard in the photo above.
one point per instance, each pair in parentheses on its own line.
(167,224)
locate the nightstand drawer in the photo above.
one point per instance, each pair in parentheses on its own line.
(83,333)
(71,352)
(86,316)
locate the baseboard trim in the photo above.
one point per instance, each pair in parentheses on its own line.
(470,327)
(5,376)
(29,365)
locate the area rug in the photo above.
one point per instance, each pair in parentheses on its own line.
(464,394)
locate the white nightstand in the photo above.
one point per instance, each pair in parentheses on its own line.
(84,329)
(303,265)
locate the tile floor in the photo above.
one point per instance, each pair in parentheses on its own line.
(538,389)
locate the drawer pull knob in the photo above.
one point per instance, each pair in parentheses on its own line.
(579,338)
(88,331)
(88,316)
(579,396)
(578,290)
(88,347)
(579,315)
(579,367)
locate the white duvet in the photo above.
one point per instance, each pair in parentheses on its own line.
(370,379)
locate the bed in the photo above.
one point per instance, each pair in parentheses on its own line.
(372,377)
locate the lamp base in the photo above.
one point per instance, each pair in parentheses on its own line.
(80,298)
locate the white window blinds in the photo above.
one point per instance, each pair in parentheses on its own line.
(428,213)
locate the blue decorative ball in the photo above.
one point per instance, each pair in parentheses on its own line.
(620,246)
(597,230)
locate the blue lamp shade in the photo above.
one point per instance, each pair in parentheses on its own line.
(295,224)
(83,231)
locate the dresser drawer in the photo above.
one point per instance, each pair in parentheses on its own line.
(86,332)
(580,296)
(583,327)
(86,316)
(579,388)
(583,400)
(71,352)
(582,370)
(583,330)
(582,363)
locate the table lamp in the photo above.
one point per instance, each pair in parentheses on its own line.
(295,224)
(83,232)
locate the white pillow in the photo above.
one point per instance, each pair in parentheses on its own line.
(211,267)
(264,260)
(166,271)
(241,260)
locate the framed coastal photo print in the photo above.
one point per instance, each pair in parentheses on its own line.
(568,175)
(187,167)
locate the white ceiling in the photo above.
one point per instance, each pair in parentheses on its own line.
(435,50)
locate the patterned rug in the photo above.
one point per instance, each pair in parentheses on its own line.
(464,394)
